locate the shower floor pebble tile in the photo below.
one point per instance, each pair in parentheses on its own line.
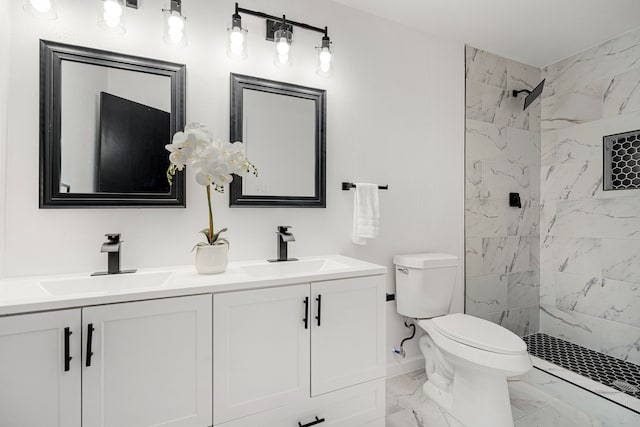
(407,406)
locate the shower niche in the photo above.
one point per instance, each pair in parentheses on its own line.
(622,161)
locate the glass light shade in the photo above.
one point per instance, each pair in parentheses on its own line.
(175,28)
(237,46)
(41,8)
(111,16)
(283,39)
(325,61)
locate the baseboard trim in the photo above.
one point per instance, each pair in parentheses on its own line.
(404,366)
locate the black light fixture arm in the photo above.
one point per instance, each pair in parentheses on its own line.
(518,92)
(279,18)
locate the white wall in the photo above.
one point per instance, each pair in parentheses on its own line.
(5,32)
(395,116)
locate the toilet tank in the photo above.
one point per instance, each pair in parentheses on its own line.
(424,284)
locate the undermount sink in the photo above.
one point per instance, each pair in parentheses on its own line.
(109,283)
(293,267)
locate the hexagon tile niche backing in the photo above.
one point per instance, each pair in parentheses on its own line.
(622,161)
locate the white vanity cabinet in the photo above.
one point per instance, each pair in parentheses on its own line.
(287,355)
(133,364)
(148,363)
(40,382)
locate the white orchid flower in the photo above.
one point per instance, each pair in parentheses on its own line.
(214,163)
(203,178)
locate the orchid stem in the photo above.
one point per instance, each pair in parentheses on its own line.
(210,214)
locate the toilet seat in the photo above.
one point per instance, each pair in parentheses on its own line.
(479,333)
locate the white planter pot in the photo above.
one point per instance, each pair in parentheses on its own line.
(212,259)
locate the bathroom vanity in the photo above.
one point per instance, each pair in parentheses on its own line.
(284,344)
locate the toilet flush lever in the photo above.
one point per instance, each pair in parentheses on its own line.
(403,270)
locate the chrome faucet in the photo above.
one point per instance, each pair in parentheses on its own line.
(112,248)
(284,236)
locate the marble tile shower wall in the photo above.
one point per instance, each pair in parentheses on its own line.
(502,156)
(590,238)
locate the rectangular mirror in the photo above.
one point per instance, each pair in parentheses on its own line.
(283,128)
(104,121)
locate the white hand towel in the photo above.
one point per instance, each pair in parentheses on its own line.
(366,213)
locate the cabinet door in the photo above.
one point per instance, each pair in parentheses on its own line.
(348,339)
(36,388)
(151,363)
(261,351)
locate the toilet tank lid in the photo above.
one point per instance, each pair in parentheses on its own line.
(426,260)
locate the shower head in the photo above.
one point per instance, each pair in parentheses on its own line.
(532,95)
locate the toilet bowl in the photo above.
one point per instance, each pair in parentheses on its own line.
(473,358)
(467,359)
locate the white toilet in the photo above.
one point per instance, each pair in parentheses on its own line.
(467,359)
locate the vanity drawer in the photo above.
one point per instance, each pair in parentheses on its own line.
(355,406)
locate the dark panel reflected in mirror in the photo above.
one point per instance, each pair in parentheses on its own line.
(283,128)
(129,161)
(105,119)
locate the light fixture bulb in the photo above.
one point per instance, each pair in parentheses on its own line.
(236,37)
(45,9)
(283,59)
(325,56)
(112,9)
(110,21)
(111,16)
(41,6)
(176,36)
(283,46)
(282,39)
(237,46)
(176,24)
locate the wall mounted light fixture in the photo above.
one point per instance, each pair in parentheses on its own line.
(237,44)
(325,57)
(175,24)
(111,16)
(282,37)
(280,31)
(41,8)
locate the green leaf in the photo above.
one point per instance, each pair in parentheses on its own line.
(171,171)
(217,235)
(205,231)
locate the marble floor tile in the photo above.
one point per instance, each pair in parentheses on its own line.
(557,414)
(537,400)
(526,399)
(404,392)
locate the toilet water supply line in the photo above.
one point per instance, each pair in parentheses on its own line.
(410,337)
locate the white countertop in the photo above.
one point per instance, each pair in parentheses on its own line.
(30,294)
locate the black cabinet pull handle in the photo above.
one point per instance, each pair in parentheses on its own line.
(319,299)
(306,313)
(312,423)
(67,358)
(90,330)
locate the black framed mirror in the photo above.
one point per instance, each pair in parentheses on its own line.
(105,118)
(283,127)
